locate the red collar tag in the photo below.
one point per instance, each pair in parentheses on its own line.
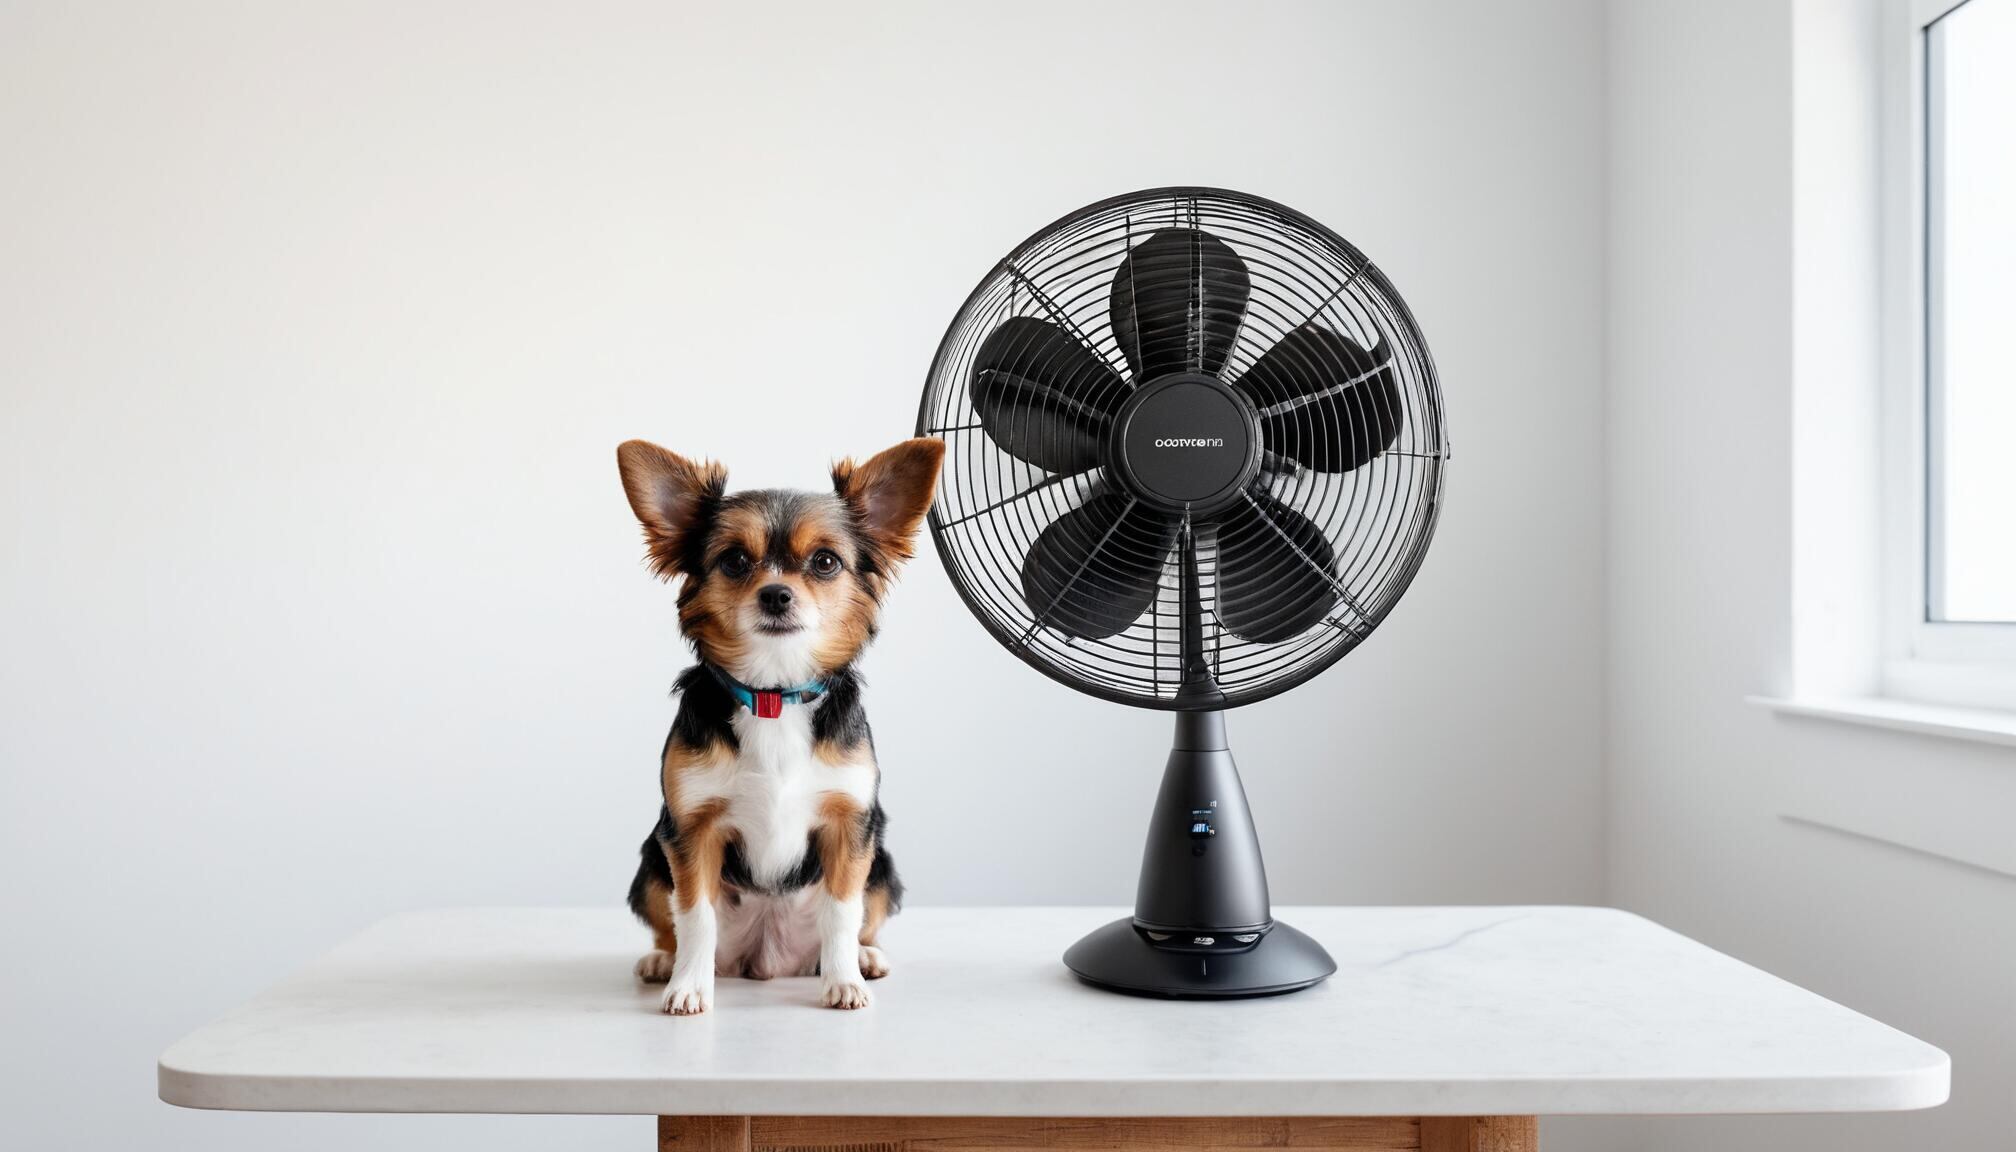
(769,705)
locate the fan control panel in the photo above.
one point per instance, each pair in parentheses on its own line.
(1198,942)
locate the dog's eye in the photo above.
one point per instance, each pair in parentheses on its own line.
(734,563)
(825,562)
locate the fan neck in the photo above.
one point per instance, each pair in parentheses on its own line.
(1200,732)
(1199,691)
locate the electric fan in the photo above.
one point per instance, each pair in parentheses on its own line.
(1194,456)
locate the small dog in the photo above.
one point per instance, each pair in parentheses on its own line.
(767,859)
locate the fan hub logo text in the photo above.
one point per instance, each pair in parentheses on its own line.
(1190,442)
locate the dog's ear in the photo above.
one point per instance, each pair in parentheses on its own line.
(891,492)
(672,497)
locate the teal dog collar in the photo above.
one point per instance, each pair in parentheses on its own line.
(768,703)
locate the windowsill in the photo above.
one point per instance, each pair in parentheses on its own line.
(1955,805)
(1980,724)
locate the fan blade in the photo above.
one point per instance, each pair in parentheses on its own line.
(1043,396)
(1274,571)
(1324,401)
(1177,302)
(1095,570)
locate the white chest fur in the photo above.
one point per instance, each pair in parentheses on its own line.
(774,789)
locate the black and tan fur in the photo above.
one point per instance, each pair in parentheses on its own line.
(768,847)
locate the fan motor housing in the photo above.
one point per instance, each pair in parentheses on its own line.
(1186,442)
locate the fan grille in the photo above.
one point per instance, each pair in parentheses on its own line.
(993,503)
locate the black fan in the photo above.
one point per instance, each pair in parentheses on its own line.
(1195,451)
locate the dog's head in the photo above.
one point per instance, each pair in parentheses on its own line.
(780,587)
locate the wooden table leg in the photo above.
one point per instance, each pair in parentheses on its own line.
(935,1134)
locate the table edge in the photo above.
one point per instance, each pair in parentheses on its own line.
(1904,1090)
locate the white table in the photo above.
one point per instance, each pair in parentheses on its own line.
(1470,1013)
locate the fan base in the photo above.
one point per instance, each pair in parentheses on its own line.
(1117,959)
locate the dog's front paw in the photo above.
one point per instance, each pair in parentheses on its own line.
(689,997)
(874,962)
(654,967)
(843,994)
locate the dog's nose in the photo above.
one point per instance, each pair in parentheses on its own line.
(775,599)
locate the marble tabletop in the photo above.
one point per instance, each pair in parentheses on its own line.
(1433,1011)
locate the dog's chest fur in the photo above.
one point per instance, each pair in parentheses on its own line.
(774,790)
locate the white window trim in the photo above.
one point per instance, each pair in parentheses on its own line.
(1958,664)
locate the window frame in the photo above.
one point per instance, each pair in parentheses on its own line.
(1968,664)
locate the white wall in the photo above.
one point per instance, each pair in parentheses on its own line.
(318,326)
(1701,543)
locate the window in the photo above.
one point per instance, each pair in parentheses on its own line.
(1951,321)
(1970,313)
(1898,613)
